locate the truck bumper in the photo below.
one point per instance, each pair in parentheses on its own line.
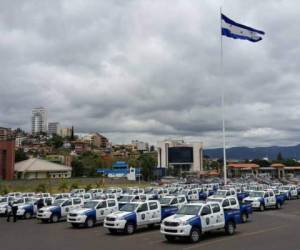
(118,224)
(77,219)
(176,231)
(43,216)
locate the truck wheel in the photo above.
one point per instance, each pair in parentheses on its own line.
(170,238)
(54,218)
(129,228)
(261,208)
(278,205)
(230,228)
(244,217)
(27,216)
(90,222)
(194,235)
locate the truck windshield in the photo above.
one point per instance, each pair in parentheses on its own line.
(165,201)
(215,200)
(189,209)
(58,202)
(2,200)
(256,194)
(19,201)
(285,188)
(129,207)
(126,198)
(221,193)
(90,204)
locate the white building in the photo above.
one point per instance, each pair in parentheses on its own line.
(176,154)
(53,128)
(140,146)
(34,168)
(39,120)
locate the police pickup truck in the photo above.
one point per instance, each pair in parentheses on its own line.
(194,219)
(3,204)
(233,203)
(175,201)
(290,191)
(58,210)
(92,212)
(137,214)
(264,199)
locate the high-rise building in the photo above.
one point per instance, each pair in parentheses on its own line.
(39,121)
(53,128)
(65,132)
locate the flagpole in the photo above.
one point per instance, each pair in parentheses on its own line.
(222,101)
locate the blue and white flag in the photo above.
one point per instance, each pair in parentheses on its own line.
(235,30)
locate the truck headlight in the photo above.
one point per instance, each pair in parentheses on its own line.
(183,223)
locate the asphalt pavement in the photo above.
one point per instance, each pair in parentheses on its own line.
(268,230)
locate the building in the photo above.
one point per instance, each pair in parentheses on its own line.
(65,132)
(40,169)
(99,141)
(53,128)
(7,154)
(140,146)
(19,140)
(241,169)
(39,121)
(180,156)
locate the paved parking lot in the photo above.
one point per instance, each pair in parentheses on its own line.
(270,230)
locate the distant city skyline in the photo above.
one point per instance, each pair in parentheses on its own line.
(149,70)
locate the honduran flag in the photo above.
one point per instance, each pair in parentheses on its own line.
(235,30)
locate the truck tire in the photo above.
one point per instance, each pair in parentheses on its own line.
(244,217)
(170,238)
(129,228)
(90,222)
(278,205)
(27,215)
(54,218)
(194,235)
(261,207)
(230,228)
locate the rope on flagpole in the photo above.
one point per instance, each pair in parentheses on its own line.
(222,102)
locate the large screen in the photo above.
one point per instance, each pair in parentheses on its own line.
(180,154)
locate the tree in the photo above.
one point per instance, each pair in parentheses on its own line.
(56,141)
(279,157)
(20,155)
(147,163)
(77,168)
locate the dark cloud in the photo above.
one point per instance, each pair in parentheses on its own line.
(151,69)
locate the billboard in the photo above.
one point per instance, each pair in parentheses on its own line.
(180,155)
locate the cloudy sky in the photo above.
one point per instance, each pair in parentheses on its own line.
(150,69)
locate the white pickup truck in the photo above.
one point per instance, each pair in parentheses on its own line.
(137,214)
(176,201)
(58,210)
(263,199)
(93,211)
(194,219)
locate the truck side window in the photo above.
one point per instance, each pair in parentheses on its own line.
(225,203)
(215,208)
(77,201)
(233,201)
(174,201)
(143,208)
(101,205)
(206,210)
(271,194)
(266,195)
(111,203)
(67,203)
(153,205)
(181,199)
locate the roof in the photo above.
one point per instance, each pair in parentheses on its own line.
(243,165)
(278,165)
(38,165)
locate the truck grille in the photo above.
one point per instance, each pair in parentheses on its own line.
(110,219)
(170,231)
(171,224)
(73,215)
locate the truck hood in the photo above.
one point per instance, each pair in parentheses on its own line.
(180,218)
(252,199)
(50,208)
(120,214)
(82,210)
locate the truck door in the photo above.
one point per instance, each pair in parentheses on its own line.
(272,199)
(218,219)
(266,199)
(65,208)
(101,211)
(206,218)
(234,204)
(143,214)
(155,213)
(112,206)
